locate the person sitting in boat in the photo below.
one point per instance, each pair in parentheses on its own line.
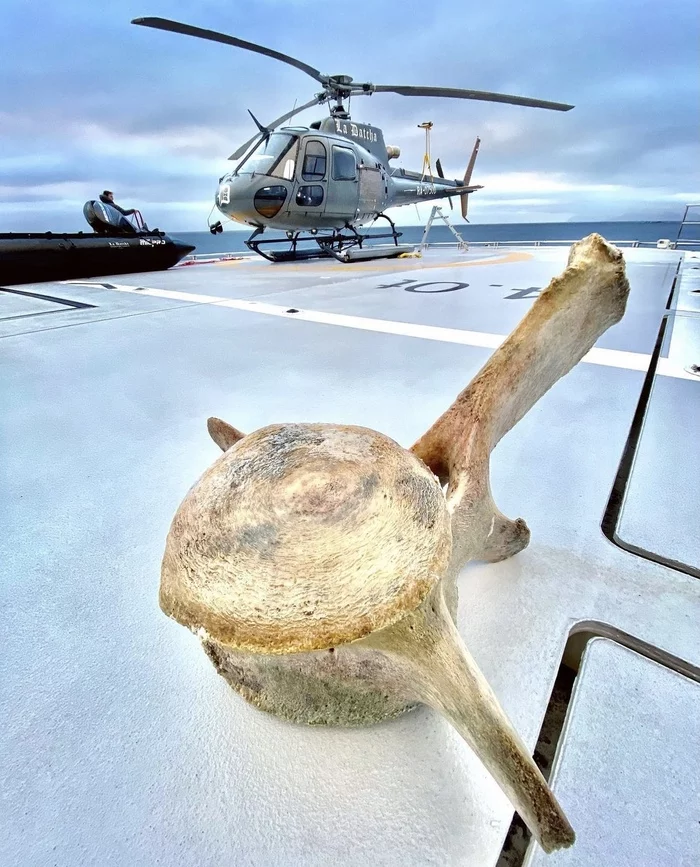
(107,198)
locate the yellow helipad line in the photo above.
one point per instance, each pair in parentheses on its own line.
(391,264)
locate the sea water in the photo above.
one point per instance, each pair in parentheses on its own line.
(233,240)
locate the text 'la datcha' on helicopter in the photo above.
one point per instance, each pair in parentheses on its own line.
(323,181)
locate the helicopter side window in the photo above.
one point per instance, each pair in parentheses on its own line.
(314,168)
(310,196)
(344,165)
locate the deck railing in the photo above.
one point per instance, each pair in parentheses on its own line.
(678,243)
(670,245)
(682,244)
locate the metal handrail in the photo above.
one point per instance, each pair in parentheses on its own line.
(553,242)
(686,222)
(688,244)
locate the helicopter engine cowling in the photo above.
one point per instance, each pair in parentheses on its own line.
(392,152)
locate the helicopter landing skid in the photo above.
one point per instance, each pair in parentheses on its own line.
(338,245)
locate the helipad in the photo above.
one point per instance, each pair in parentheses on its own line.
(121,746)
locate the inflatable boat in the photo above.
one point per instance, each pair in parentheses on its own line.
(115,247)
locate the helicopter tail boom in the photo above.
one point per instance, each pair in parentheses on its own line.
(461,191)
(407,191)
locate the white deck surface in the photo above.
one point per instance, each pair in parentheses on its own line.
(629,763)
(120,745)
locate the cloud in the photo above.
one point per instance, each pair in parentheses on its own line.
(90,101)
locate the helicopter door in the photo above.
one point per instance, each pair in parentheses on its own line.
(343,187)
(311,190)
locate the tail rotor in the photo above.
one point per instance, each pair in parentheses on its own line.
(464,198)
(441,174)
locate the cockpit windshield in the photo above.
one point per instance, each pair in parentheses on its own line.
(275,156)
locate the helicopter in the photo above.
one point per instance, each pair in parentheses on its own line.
(323,181)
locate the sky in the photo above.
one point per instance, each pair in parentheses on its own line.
(89,101)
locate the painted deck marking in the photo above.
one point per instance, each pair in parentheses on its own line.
(604,357)
(398,266)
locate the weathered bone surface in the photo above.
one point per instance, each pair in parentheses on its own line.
(562,325)
(223,434)
(318,562)
(303,537)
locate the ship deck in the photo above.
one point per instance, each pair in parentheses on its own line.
(120,743)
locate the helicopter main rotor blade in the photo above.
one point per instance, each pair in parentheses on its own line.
(317,100)
(214,36)
(458,93)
